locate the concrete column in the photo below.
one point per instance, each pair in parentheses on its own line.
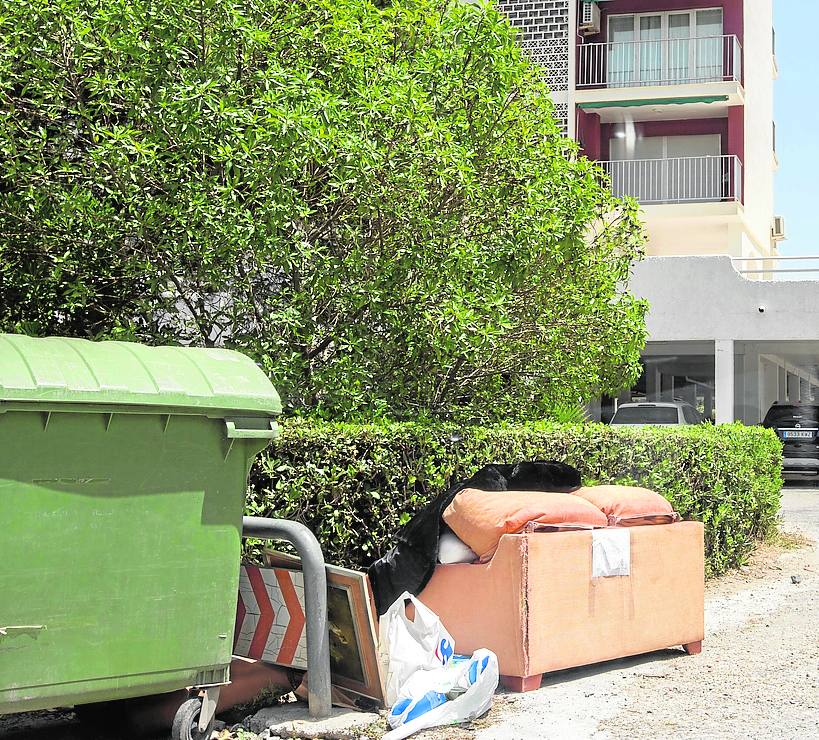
(793,387)
(708,403)
(667,387)
(752,374)
(740,404)
(724,380)
(768,385)
(653,383)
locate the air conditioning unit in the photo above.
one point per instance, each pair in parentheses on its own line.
(778,229)
(589,18)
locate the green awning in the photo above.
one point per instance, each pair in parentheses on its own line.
(654,101)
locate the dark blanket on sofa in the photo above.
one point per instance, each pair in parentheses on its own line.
(409,565)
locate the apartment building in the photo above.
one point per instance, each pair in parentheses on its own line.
(675,99)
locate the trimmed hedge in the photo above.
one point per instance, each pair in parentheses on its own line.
(355,485)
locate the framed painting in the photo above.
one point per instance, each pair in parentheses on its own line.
(270,622)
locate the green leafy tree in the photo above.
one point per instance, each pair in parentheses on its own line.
(372,199)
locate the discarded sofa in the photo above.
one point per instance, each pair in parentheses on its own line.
(409,565)
(537,606)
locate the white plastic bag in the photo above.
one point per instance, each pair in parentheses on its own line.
(460,691)
(405,646)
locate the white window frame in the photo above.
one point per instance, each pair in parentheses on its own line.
(665,138)
(664,27)
(664,14)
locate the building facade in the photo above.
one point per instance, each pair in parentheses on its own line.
(725,343)
(675,99)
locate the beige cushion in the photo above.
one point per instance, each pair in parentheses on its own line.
(481,518)
(629,505)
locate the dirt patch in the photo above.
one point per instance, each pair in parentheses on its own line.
(769,561)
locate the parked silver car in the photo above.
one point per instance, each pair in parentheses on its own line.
(663,413)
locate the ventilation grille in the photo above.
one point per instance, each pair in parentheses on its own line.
(562,116)
(544,36)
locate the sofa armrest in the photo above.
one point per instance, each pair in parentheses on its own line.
(482,605)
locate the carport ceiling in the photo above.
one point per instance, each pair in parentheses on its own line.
(700,367)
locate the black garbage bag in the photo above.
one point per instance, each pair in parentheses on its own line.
(409,565)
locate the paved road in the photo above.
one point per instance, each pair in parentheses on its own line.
(800,509)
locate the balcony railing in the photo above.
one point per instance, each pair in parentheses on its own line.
(662,62)
(778,267)
(677,179)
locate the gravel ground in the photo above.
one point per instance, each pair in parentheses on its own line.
(757,677)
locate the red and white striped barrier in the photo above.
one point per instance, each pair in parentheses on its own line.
(270,616)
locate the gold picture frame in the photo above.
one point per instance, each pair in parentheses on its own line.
(353,624)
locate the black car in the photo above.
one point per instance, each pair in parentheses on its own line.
(797,425)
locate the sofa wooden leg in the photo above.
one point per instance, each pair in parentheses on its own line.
(521,683)
(693,648)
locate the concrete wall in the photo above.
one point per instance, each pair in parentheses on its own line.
(705,299)
(694,229)
(701,305)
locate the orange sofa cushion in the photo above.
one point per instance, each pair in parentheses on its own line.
(481,518)
(629,505)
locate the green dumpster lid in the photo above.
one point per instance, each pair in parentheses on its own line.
(56,370)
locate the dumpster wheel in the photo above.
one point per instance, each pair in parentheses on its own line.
(186,722)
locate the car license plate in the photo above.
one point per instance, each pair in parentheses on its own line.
(800,434)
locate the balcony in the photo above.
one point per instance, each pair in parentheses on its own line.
(684,61)
(707,179)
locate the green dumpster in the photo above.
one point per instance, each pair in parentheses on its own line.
(122,478)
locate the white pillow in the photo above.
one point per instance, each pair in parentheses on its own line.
(451,549)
